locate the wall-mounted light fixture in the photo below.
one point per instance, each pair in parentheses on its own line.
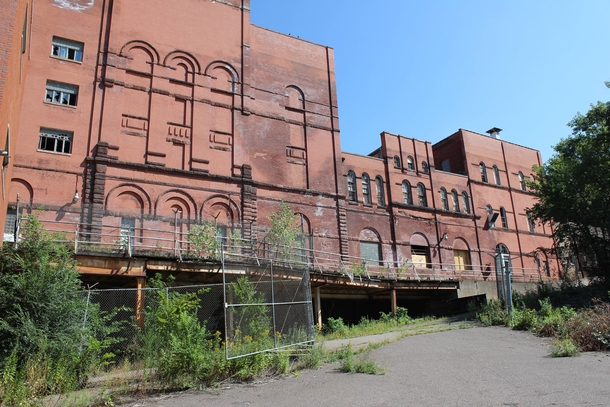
(443,237)
(75,198)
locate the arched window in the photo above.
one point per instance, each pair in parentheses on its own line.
(522,181)
(490,216)
(483,169)
(410,163)
(531,223)
(351,186)
(370,247)
(444,203)
(366,189)
(407,196)
(421,195)
(379,186)
(497,175)
(465,202)
(455,200)
(504,217)
(396,161)
(424,167)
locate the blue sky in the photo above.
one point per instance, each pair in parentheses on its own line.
(426,68)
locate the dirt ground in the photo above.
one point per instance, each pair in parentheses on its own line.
(463,367)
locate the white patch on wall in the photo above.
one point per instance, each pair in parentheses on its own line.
(76,5)
(319,212)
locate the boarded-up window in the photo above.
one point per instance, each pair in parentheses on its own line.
(461,260)
(371,252)
(420,256)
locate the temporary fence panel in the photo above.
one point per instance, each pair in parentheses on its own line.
(268,309)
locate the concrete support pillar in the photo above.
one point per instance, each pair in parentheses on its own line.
(141,284)
(318,308)
(393,300)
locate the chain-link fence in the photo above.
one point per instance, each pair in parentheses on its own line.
(269,311)
(118,316)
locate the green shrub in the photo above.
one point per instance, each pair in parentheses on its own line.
(335,326)
(43,337)
(590,328)
(401,317)
(493,314)
(524,319)
(358,363)
(563,348)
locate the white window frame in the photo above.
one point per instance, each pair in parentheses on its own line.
(67,49)
(61,93)
(61,141)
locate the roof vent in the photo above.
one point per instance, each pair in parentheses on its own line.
(494,132)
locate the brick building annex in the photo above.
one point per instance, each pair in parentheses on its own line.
(140,115)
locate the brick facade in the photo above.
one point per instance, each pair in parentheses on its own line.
(186,108)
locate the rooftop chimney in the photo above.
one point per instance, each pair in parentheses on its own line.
(494,132)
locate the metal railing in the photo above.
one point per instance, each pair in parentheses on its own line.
(171,242)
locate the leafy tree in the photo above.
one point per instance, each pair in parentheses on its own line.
(284,234)
(572,188)
(203,239)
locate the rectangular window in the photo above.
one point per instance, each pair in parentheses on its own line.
(66,49)
(55,141)
(461,260)
(61,93)
(24,31)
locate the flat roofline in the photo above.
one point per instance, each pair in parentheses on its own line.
(291,36)
(486,136)
(360,155)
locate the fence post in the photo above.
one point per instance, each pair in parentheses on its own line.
(76,240)
(141,284)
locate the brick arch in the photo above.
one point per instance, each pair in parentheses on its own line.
(219,69)
(177,56)
(172,198)
(134,50)
(128,196)
(419,239)
(296,97)
(221,207)
(460,243)
(23,188)
(369,234)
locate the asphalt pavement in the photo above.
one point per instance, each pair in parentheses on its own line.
(463,367)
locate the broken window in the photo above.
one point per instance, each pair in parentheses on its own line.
(483,169)
(66,49)
(421,195)
(61,93)
(406,193)
(55,141)
(366,189)
(380,195)
(351,186)
(455,201)
(444,203)
(410,163)
(396,161)
(504,217)
(465,202)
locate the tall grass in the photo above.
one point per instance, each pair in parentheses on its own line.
(574,329)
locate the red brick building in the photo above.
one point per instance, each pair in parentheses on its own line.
(153,115)
(15,20)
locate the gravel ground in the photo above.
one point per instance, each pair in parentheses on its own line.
(463,367)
